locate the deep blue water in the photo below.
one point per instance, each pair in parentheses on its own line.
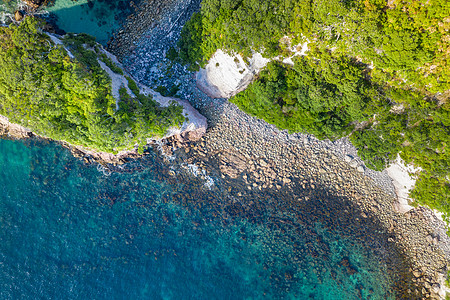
(68,231)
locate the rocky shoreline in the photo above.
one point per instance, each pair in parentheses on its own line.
(185,134)
(250,153)
(241,148)
(192,129)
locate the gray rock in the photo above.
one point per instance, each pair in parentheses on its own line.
(360,169)
(348,158)
(18,15)
(263,163)
(353,163)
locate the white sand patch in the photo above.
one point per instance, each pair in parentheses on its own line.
(439,215)
(403,182)
(224,76)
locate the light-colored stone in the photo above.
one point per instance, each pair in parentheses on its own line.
(353,163)
(403,183)
(417,273)
(226,75)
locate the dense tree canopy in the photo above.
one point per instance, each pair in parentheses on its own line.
(64,98)
(381,65)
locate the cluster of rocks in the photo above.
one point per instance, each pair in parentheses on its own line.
(12,130)
(28,7)
(259,157)
(35,4)
(153,15)
(248,152)
(239,148)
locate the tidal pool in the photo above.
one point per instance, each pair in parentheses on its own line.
(99,18)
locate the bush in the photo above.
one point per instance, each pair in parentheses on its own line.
(43,89)
(116,69)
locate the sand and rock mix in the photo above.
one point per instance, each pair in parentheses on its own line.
(259,158)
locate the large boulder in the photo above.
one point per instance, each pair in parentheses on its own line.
(18,15)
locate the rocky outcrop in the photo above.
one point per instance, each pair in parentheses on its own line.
(18,15)
(192,129)
(13,130)
(195,125)
(224,76)
(35,3)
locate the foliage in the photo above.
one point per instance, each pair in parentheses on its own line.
(408,42)
(132,86)
(379,145)
(110,64)
(381,65)
(64,98)
(172,54)
(168,92)
(190,51)
(319,97)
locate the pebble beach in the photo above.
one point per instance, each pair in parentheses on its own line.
(254,168)
(238,147)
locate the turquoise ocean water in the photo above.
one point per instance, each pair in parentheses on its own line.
(100,18)
(71,231)
(74,231)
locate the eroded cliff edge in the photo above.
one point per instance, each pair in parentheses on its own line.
(84,99)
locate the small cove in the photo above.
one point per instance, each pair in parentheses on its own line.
(101,18)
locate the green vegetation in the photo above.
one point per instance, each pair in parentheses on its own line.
(404,41)
(168,92)
(110,64)
(70,99)
(376,71)
(313,96)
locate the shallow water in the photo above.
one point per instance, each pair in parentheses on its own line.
(99,18)
(68,231)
